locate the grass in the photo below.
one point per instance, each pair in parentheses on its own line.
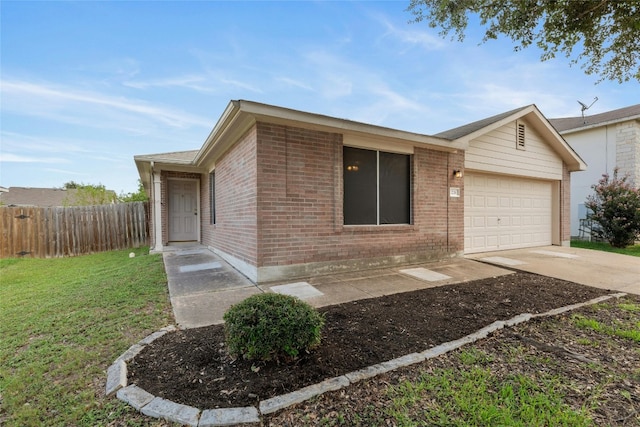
(602,246)
(62,323)
(479,392)
(476,397)
(506,384)
(629,330)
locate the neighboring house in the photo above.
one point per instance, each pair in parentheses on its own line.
(283,194)
(605,141)
(38,197)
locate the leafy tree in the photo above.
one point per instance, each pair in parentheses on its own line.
(615,206)
(88,194)
(138,196)
(606,30)
(71,185)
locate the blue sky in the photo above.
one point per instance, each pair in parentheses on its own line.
(85,86)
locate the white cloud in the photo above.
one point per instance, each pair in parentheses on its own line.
(65,172)
(332,74)
(387,107)
(193,82)
(119,68)
(39,99)
(411,37)
(17,158)
(296,83)
(12,141)
(241,85)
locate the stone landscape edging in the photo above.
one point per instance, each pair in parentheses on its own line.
(158,407)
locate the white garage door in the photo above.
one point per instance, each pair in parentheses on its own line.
(502,212)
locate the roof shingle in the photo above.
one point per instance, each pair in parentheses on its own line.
(563,124)
(41,197)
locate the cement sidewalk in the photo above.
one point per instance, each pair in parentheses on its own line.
(202,286)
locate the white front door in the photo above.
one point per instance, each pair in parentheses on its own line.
(504,212)
(183,210)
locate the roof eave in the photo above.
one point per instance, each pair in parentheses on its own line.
(571,158)
(241,114)
(601,124)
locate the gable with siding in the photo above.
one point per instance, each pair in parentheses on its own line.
(497,151)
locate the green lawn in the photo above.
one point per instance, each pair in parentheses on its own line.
(62,323)
(601,246)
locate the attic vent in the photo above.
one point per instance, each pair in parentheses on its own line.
(520,137)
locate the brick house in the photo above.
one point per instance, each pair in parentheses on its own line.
(283,194)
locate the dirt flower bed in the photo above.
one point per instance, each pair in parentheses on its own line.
(582,357)
(192,366)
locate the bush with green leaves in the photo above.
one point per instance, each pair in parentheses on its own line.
(615,207)
(272,326)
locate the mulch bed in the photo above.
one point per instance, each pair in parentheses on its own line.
(192,366)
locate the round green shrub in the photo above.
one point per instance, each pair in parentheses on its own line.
(269,326)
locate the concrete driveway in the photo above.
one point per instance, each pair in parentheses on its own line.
(603,270)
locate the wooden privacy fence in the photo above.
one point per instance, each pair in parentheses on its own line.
(67,231)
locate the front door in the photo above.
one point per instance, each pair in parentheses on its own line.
(183,210)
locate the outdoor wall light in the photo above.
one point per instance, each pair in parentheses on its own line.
(457,173)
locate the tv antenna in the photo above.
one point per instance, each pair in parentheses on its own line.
(585,107)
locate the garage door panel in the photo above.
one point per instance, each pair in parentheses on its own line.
(504,212)
(479,201)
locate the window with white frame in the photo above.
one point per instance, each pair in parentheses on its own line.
(377,187)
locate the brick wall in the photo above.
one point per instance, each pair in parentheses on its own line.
(299,176)
(628,150)
(235,231)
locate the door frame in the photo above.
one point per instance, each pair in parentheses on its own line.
(199,220)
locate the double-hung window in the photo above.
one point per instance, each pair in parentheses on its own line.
(377,187)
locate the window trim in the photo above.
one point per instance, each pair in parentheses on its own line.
(377,225)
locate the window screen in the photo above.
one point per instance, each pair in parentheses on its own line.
(360,189)
(394,188)
(376,187)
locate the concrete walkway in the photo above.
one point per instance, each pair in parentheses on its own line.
(203,286)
